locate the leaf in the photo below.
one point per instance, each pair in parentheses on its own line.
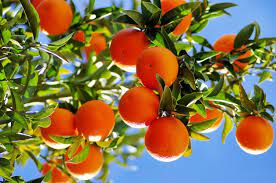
(246,103)
(135,16)
(17,101)
(190,99)
(181,109)
(59,43)
(151,13)
(267,116)
(188,151)
(167,40)
(81,156)
(33,17)
(217,88)
(228,126)
(63,139)
(265,75)
(179,12)
(6,35)
(6,169)
(202,41)
(34,158)
(202,56)
(198,136)
(18,118)
(157,3)
(188,76)
(204,125)
(73,148)
(200,109)
(166,102)
(160,81)
(221,6)
(47,177)
(244,35)
(90,7)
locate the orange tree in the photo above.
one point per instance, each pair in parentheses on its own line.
(72,120)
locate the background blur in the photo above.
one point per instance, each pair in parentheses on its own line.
(211,162)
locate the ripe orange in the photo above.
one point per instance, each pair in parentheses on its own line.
(55,16)
(97,42)
(95,120)
(226,44)
(139,106)
(185,24)
(255,135)
(36,2)
(126,47)
(154,61)
(88,168)
(57,174)
(62,124)
(210,114)
(166,139)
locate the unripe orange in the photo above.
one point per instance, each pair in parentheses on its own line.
(62,124)
(126,47)
(55,16)
(155,61)
(167,139)
(88,168)
(226,44)
(210,114)
(185,24)
(95,120)
(57,175)
(139,106)
(255,135)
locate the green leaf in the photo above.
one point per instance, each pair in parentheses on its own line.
(217,88)
(73,148)
(188,76)
(90,7)
(198,136)
(81,156)
(135,16)
(190,99)
(17,101)
(160,81)
(6,35)
(63,140)
(200,109)
(18,118)
(202,41)
(124,19)
(6,169)
(202,56)
(32,16)
(47,177)
(204,125)
(151,13)
(246,103)
(168,42)
(265,75)
(157,3)
(181,109)
(179,12)
(166,102)
(267,116)
(228,126)
(244,35)
(59,43)
(221,6)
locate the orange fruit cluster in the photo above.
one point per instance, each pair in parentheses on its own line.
(225,44)
(55,15)
(93,121)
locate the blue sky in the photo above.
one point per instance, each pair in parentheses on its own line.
(211,162)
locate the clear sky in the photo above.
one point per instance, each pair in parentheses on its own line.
(211,162)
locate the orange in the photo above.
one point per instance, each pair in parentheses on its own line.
(55,16)
(95,120)
(210,114)
(139,106)
(226,44)
(88,168)
(97,43)
(185,24)
(62,124)
(126,47)
(155,61)
(36,2)
(167,139)
(57,174)
(255,135)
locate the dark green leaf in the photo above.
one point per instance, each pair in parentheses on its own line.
(199,127)
(166,102)
(32,15)
(190,99)
(221,6)
(135,16)
(218,87)
(244,35)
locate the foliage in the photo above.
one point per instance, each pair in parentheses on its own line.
(35,79)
